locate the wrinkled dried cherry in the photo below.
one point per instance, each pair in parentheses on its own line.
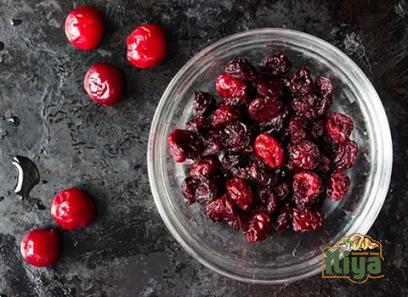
(221,210)
(184,144)
(338,186)
(264,109)
(306,220)
(269,87)
(301,82)
(240,68)
(297,129)
(189,187)
(228,86)
(305,106)
(276,64)
(213,142)
(206,167)
(225,114)
(269,150)
(198,125)
(203,104)
(259,227)
(237,136)
(304,155)
(339,127)
(206,190)
(324,86)
(346,155)
(307,186)
(240,193)
(284,218)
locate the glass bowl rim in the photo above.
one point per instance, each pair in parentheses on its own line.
(385,173)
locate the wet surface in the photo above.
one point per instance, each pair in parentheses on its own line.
(128,251)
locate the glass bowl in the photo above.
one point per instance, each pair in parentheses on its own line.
(288,256)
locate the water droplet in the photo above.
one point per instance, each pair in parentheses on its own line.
(13,120)
(16,22)
(1,59)
(28,176)
(1,46)
(76,242)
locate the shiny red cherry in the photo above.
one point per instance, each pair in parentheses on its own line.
(73,209)
(84,28)
(146,46)
(41,247)
(105,84)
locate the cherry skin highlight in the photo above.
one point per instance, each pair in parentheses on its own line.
(146,46)
(84,28)
(105,84)
(73,209)
(41,247)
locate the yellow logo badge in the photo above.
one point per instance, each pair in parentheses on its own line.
(355,257)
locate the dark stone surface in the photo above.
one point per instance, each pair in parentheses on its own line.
(128,251)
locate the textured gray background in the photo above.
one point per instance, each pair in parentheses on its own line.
(128,251)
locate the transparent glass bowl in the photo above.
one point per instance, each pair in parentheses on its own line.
(282,257)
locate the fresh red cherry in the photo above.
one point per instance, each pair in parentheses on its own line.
(41,247)
(73,209)
(146,46)
(84,28)
(105,84)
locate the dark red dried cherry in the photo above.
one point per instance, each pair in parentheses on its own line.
(324,86)
(269,150)
(184,144)
(264,109)
(304,155)
(306,220)
(301,82)
(297,129)
(306,187)
(268,198)
(225,114)
(236,137)
(221,210)
(189,187)
(206,190)
(206,167)
(346,155)
(271,87)
(228,86)
(240,68)
(284,218)
(339,127)
(203,104)
(338,186)
(305,106)
(240,193)
(276,64)
(259,227)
